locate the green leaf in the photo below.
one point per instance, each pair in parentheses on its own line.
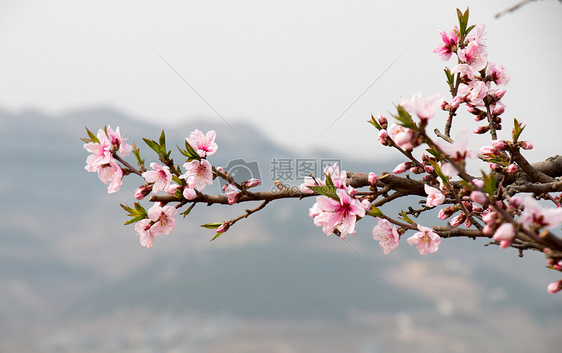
(434,153)
(374,122)
(216,236)
(135,219)
(152,144)
(136,213)
(186,212)
(404,118)
(162,140)
(329,191)
(92,138)
(406,218)
(213,225)
(517,130)
(136,153)
(489,183)
(375,212)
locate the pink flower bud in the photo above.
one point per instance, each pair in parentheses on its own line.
(505,235)
(221,170)
(558,266)
(512,168)
(478,182)
(479,197)
(498,94)
(467,223)
(554,287)
(489,151)
(498,110)
(481,130)
(473,110)
(142,191)
(456,102)
(171,190)
(515,202)
(487,230)
(251,183)
(383,122)
(373,179)
(428,169)
(223,227)
(383,137)
(500,145)
(526,145)
(402,167)
(458,220)
(495,167)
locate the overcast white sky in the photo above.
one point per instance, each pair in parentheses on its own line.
(289,67)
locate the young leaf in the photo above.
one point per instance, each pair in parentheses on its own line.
(93,138)
(152,144)
(375,212)
(329,191)
(186,212)
(216,236)
(136,153)
(162,140)
(374,122)
(517,130)
(404,118)
(213,225)
(489,184)
(406,218)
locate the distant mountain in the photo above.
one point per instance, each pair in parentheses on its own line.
(66,256)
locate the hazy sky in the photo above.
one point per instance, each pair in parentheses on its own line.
(289,67)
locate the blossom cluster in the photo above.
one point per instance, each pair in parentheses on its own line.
(483,205)
(103,148)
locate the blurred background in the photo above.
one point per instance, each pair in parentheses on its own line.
(276,80)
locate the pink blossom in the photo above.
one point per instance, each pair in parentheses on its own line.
(402,136)
(450,40)
(459,149)
(160,176)
(426,240)
(118,142)
(198,174)
(554,287)
(144,231)
(423,107)
(526,145)
(339,215)
(505,235)
(112,174)
(163,218)
(474,54)
(534,216)
(204,145)
(387,234)
(232,193)
(464,70)
(498,74)
(434,196)
(171,190)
